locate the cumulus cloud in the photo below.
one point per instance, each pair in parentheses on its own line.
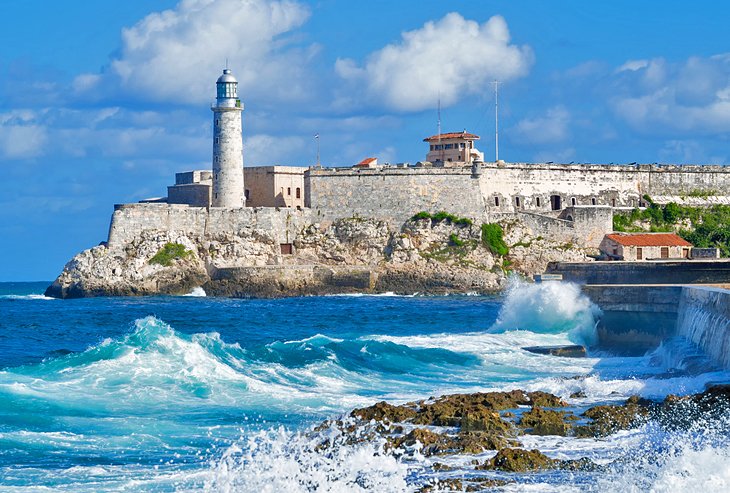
(21,135)
(550,128)
(673,99)
(450,57)
(176,54)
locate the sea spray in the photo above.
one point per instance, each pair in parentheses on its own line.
(278,460)
(549,307)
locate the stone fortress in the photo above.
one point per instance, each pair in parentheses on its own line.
(241,221)
(567,200)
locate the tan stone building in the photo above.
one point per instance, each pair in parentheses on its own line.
(453,149)
(645,246)
(274,186)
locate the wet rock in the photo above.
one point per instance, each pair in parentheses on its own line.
(578,395)
(569,351)
(519,460)
(609,419)
(544,399)
(433,443)
(382,411)
(538,421)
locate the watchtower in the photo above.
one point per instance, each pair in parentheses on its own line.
(227,144)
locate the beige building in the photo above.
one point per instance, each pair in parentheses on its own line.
(645,246)
(192,188)
(274,186)
(453,149)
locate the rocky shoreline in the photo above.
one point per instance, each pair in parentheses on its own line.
(351,255)
(475,424)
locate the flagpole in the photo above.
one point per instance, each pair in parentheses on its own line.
(319,165)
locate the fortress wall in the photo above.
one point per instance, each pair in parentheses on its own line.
(605,183)
(392,194)
(130,220)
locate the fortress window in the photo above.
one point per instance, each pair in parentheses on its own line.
(449,146)
(613,202)
(217,122)
(572,201)
(593,201)
(496,201)
(517,201)
(639,253)
(286,248)
(217,140)
(247,193)
(537,201)
(299,193)
(288,191)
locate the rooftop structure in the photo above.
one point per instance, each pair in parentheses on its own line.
(453,149)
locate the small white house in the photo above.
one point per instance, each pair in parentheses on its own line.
(645,246)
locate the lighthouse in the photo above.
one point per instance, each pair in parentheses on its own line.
(227,144)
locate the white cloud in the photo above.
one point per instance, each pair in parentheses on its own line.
(550,128)
(22,136)
(176,54)
(692,97)
(22,141)
(451,57)
(267,150)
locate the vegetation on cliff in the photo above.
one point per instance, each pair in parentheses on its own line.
(704,227)
(493,239)
(170,252)
(444,216)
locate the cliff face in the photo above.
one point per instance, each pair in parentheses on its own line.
(350,255)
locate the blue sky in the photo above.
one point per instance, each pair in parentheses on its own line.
(102,102)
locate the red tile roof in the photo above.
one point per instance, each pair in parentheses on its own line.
(367,161)
(452,135)
(648,239)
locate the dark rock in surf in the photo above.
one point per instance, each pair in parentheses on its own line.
(569,351)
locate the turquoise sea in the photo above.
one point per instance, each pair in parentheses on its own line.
(193,393)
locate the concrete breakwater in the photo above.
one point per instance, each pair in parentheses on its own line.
(637,318)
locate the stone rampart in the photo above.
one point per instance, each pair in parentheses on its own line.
(399,192)
(392,194)
(130,220)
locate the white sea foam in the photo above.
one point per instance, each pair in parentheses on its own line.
(549,307)
(25,297)
(197,293)
(278,460)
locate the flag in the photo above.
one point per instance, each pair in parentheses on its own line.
(316,136)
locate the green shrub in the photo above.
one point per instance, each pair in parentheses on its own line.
(444,216)
(455,240)
(421,215)
(493,239)
(170,252)
(463,221)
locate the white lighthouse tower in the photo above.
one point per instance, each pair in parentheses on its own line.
(227,144)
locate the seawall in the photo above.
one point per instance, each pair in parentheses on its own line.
(637,318)
(712,271)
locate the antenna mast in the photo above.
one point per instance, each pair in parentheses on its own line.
(441,148)
(496,120)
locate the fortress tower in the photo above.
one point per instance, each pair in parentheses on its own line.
(227,144)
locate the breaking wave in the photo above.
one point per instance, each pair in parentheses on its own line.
(549,307)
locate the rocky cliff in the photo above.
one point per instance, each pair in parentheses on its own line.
(350,255)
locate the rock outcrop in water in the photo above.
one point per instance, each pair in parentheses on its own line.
(350,255)
(441,427)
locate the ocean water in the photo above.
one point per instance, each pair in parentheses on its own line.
(193,393)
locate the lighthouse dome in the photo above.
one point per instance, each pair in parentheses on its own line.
(226,86)
(226,77)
